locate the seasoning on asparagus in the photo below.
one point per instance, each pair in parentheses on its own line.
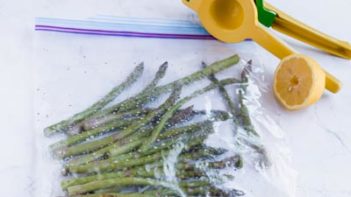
(146,97)
(171,111)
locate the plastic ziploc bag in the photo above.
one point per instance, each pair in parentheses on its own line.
(121,26)
(181,118)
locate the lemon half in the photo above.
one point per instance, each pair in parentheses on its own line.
(299,82)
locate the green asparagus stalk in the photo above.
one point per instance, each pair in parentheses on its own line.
(210,190)
(223,92)
(172,110)
(184,169)
(196,185)
(186,129)
(98,146)
(119,122)
(157,150)
(158,76)
(146,97)
(72,140)
(246,120)
(113,156)
(87,124)
(154,192)
(115,195)
(199,191)
(158,192)
(130,172)
(95,122)
(134,172)
(203,152)
(109,190)
(171,133)
(64,125)
(244,112)
(101,121)
(129,181)
(216,115)
(180,116)
(119,164)
(204,126)
(98,120)
(122,164)
(142,171)
(106,144)
(138,138)
(125,181)
(189,140)
(105,152)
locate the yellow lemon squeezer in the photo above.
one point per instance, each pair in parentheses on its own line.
(299,80)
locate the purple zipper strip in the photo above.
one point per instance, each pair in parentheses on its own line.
(120,33)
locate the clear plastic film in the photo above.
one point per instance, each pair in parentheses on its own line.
(153,117)
(125,26)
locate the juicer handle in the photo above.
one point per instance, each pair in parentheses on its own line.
(296,29)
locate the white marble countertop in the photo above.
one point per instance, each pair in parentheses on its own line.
(319,136)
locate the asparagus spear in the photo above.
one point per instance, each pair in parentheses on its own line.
(168,134)
(158,76)
(151,193)
(217,115)
(117,123)
(94,145)
(125,181)
(115,195)
(179,117)
(209,190)
(96,122)
(246,120)
(128,181)
(184,170)
(106,166)
(203,126)
(244,112)
(197,191)
(72,140)
(171,111)
(142,172)
(117,165)
(145,97)
(86,125)
(137,172)
(223,92)
(65,124)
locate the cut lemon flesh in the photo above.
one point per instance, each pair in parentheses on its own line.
(299,82)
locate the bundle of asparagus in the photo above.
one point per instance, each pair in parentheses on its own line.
(131,150)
